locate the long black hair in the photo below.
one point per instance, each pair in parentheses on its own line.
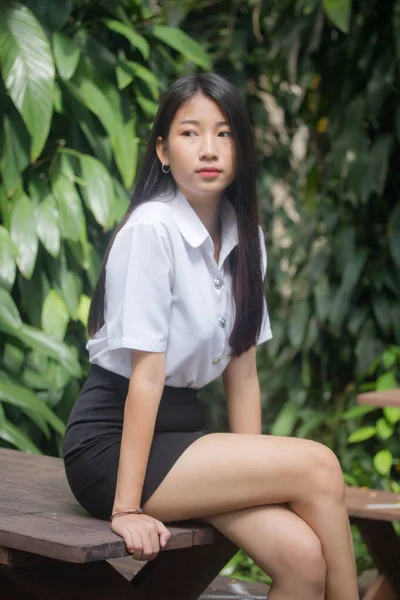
(245,258)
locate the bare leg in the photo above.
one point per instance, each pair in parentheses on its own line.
(282,545)
(220,473)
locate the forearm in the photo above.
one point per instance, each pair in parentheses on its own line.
(140,414)
(244,407)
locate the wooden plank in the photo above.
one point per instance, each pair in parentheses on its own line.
(387,398)
(14,462)
(38,513)
(384,547)
(46,536)
(183,574)
(381,589)
(357,500)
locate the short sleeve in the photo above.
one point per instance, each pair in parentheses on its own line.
(138,289)
(265,331)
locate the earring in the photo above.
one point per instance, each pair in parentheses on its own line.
(165,170)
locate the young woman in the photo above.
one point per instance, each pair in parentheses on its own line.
(178,303)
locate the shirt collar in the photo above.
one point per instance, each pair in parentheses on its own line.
(193,230)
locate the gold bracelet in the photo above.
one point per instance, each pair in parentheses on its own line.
(133,511)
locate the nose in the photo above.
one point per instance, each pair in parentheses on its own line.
(209,149)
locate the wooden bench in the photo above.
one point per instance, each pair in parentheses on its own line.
(376,525)
(51,548)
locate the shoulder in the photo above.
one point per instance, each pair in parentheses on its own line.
(155,212)
(150,227)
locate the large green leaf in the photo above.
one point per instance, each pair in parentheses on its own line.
(68,200)
(357,411)
(47,227)
(49,346)
(383,461)
(92,97)
(9,171)
(384,429)
(98,190)
(298,322)
(126,150)
(8,255)
(128,70)
(18,138)
(137,41)
(122,201)
(23,234)
(83,309)
(392,414)
(339,11)
(66,55)
(286,419)
(53,15)
(71,288)
(55,315)
(182,43)
(10,319)
(27,69)
(17,395)
(351,276)
(362,434)
(120,131)
(13,435)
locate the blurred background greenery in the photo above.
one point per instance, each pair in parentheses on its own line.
(79,85)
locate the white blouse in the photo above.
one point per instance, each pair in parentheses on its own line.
(164,292)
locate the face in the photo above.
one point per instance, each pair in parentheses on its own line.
(199,150)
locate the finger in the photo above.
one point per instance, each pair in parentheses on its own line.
(146,545)
(128,539)
(137,545)
(155,543)
(164,533)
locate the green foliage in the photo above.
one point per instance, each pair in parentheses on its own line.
(79,85)
(380,426)
(324,106)
(80,82)
(324,110)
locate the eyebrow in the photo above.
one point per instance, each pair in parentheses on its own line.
(194,122)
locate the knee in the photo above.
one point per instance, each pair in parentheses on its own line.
(303,562)
(324,472)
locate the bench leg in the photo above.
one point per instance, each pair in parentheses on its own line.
(185,573)
(384,547)
(56,580)
(11,590)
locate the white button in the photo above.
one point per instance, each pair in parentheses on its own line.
(222,322)
(218,283)
(216,360)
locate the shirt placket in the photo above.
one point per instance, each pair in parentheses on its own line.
(221,293)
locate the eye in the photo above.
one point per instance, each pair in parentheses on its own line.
(225,134)
(188,133)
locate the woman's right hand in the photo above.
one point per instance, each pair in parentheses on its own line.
(142,534)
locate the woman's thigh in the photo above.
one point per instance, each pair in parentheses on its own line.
(278,540)
(223,472)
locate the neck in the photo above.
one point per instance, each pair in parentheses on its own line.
(208,211)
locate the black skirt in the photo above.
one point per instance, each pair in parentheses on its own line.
(93,438)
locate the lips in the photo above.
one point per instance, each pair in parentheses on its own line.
(209,170)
